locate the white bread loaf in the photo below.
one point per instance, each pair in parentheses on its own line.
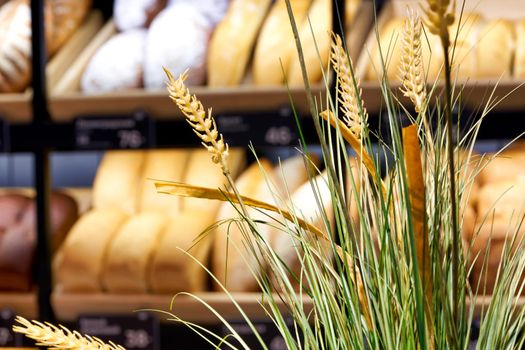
(79,264)
(233,40)
(495,50)
(201,171)
(178,40)
(168,165)
(132,14)
(276,44)
(232,261)
(67,16)
(117,181)
(130,253)
(315,47)
(117,64)
(519,59)
(172,270)
(213,10)
(465,59)
(291,173)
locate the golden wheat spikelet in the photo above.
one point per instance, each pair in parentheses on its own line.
(440,15)
(411,68)
(349,93)
(54,337)
(202,123)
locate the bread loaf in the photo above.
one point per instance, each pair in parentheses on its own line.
(292,173)
(233,41)
(79,265)
(213,10)
(467,34)
(305,203)
(507,165)
(15,44)
(495,50)
(351,8)
(519,60)
(315,47)
(232,261)
(172,270)
(12,208)
(67,16)
(130,253)
(276,44)
(177,40)
(168,165)
(17,247)
(133,14)
(201,171)
(117,181)
(117,64)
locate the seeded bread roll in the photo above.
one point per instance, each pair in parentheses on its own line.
(232,261)
(117,181)
(172,270)
(276,44)
(233,40)
(133,14)
(177,40)
(130,253)
(104,73)
(79,264)
(314,47)
(15,44)
(168,165)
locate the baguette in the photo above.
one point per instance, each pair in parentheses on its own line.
(276,44)
(233,41)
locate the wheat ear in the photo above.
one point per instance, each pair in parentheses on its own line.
(55,337)
(348,88)
(202,123)
(440,16)
(411,68)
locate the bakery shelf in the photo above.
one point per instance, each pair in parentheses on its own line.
(23,304)
(69,306)
(67,102)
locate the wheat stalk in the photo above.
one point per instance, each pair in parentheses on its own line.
(60,337)
(348,88)
(440,16)
(411,68)
(202,123)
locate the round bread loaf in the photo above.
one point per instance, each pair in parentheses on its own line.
(177,40)
(131,14)
(12,206)
(117,65)
(213,10)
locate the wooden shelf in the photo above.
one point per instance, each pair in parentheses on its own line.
(69,306)
(23,304)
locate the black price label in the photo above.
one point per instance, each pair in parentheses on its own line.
(4,136)
(139,331)
(266,329)
(114,132)
(259,129)
(7,336)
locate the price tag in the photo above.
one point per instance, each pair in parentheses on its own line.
(266,329)
(4,136)
(7,336)
(259,129)
(138,331)
(114,132)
